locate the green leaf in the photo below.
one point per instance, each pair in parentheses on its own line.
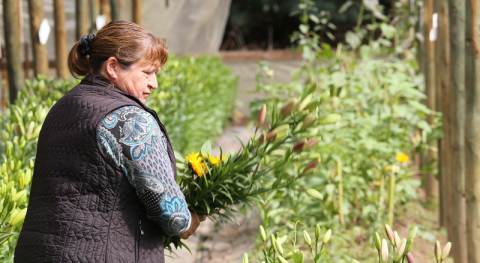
(345,7)
(206,148)
(304,28)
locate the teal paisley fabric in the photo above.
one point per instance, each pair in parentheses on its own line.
(131,139)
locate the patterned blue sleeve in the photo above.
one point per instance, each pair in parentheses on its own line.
(131,139)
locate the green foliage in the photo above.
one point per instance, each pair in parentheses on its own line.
(185,81)
(195,97)
(378,96)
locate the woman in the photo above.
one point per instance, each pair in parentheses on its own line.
(104,187)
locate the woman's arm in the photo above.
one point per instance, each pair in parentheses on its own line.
(131,139)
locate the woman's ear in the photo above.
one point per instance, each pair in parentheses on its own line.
(112,67)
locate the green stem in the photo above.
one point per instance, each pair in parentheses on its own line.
(360,16)
(391,199)
(340,192)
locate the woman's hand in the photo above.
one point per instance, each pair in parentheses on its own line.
(193,226)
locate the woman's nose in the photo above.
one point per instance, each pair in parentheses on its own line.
(153,83)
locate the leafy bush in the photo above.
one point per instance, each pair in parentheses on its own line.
(184,80)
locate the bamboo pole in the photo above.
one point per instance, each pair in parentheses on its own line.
(105,9)
(457,147)
(442,83)
(137,12)
(13,47)
(81,18)
(472,132)
(94,12)
(115,10)
(60,39)
(431,186)
(40,59)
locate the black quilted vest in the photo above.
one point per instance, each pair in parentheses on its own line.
(82,208)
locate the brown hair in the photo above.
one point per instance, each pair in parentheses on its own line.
(128,42)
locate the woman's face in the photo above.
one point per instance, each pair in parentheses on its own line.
(137,80)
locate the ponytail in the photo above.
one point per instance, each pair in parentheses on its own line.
(78,64)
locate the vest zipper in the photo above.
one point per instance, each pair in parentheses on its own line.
(137,241)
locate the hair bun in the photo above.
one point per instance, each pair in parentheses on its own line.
(85,44)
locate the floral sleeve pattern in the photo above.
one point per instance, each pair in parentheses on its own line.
(131,139)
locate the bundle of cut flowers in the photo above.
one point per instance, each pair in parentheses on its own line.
(216,185)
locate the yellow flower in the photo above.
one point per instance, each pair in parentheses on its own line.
(214,160)
(377,182)
(196,162)
(192,157)
(387,168)
(401,157)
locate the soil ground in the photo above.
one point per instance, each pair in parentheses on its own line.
(215,243)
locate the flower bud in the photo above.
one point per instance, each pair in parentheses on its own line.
(310,143)
(398,240)
(245,258)
(309,120)
(410,258)
(312,105)
(376,241)
(281,135)
(400,250)
(327,236)
(298,147)
(409,245)
(330,118)
(274,242)
(438,251)
(317,231)
(18,218)
(306,236)
(389,233)
(304,102)
(282,259)
(412,233)
(279,246)
(302,257)
(288,107)
(311,165)
(271,135)
(262,233)
(261,140)
(261,115)
(289,255)
(446,250)
(282,128)
(384,251)
(315,194)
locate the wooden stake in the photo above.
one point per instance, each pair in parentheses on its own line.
(457,147)
(40,59)
(105,9)
(60,39)
(13,47)
(431,186)
(81,18)
(442,83)
(94,12)
(115,10)
(137,12)
(472,130)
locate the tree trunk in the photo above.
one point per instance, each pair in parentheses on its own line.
(442,83)
(105,9)
(137,12)
(115,10)
(40,59)
(60,39)
(13,47)
(472,132)
(431,186)
(93,15)
(81,18)
(457,150)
